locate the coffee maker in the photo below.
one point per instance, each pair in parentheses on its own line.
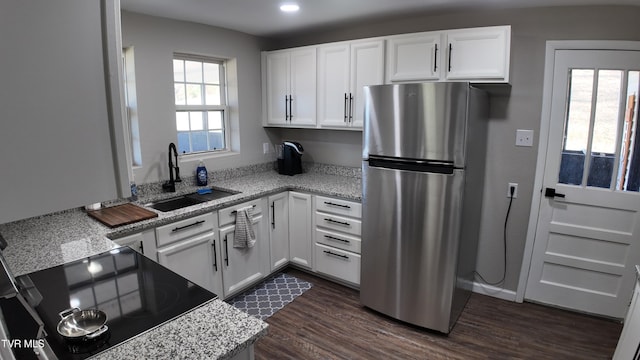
(290,160)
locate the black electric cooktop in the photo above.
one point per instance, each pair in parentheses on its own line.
(136,293)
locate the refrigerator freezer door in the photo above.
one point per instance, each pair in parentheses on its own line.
(411,226)
(416,121)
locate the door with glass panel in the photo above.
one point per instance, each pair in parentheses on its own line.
(587,236)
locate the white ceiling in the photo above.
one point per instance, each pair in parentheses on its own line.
(263,17)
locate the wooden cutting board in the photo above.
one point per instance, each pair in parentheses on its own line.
(121,215)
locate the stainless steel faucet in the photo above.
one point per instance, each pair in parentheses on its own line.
(170,186)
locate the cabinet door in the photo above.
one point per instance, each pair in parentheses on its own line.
(367,68)
(414,57)
(195,259)
(333,85)
(478,54)
(242,266)
(277,69)
(303,87)
(300,226)
(629,342)
(279,230)
(142,242)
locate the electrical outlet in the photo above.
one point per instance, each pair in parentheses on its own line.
(515,190)
(524,137)
(266,147)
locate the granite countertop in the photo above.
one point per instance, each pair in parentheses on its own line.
(214,330)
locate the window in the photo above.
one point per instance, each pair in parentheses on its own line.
(200,99)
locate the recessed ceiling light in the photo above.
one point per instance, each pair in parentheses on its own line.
(289,7)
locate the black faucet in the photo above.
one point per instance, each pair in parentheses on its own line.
(170,186)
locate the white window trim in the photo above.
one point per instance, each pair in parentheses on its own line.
(224,107)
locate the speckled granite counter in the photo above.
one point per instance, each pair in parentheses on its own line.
(215,330)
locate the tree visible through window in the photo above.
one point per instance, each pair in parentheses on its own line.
(200,104)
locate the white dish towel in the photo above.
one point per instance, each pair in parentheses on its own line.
(244,237)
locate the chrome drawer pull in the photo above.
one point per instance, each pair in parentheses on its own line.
(235,211)
(334,254)
(337,239)
(337,222)
(187,226)
(340,205)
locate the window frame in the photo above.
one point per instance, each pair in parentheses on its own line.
(223,108)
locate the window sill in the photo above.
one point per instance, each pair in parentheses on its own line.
(207,155)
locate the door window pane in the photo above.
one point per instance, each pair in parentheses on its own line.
(605,127)
(576,136)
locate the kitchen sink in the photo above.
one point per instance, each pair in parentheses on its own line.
(183,201)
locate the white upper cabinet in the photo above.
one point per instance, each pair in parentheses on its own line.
(322,86)
(343,69)
(290,98)
(478,55)
(414,57)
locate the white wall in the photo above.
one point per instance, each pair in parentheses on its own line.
(519,107)
(154,41)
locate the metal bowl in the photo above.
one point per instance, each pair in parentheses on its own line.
(82,324)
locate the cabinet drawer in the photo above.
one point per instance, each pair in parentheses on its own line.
(338,223)
(338,207)
(228,216)
(170,233)
(337,263)
(338,240)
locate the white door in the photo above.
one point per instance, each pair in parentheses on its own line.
(279,230)
(194,259)
(242,266)
(303,87)
(277,69)
(414,57)
(300,227)
(478,54)
(587,235)
(333,85)
(367,68)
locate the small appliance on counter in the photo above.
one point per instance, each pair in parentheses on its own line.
(290,160)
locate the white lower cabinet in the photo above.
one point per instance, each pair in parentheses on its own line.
(629,343)
(188,247)
(143,242)
(337,238)
(279,230)
(242,267)
(300,226)
(195,259)
(340,264)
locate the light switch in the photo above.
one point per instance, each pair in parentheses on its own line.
(524,137)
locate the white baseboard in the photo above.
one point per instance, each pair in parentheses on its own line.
(494,291)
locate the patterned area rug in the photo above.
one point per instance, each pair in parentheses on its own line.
(271,295)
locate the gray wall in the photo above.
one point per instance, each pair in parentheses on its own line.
(518,109)
(154,41)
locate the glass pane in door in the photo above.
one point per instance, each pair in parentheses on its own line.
(577,126)
(605,128)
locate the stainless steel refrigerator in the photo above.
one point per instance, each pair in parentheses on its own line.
(424,149)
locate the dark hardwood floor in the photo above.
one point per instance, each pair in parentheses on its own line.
(328,322)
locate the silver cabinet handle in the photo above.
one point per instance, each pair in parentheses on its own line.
(435,59)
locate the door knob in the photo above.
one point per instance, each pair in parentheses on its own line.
(551,192)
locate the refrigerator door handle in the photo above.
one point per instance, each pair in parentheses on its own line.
(442,167)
